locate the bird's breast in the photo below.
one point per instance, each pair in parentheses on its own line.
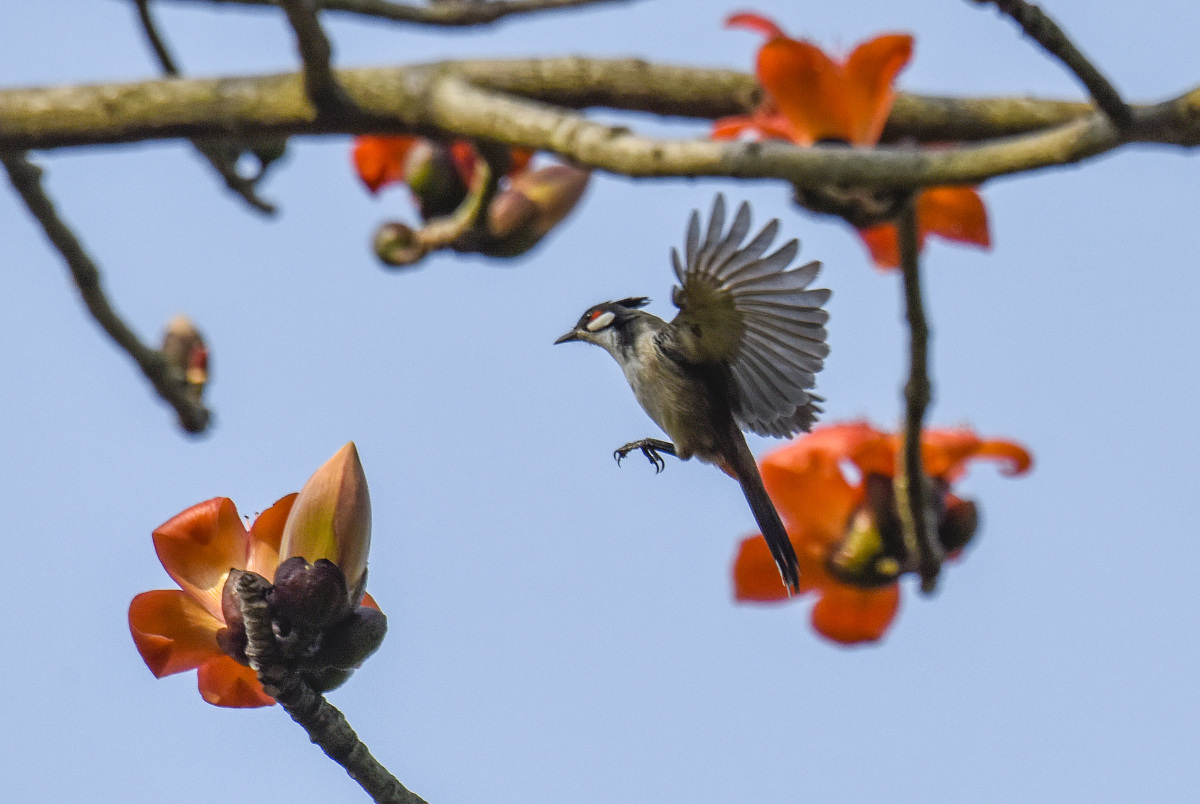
(678,401)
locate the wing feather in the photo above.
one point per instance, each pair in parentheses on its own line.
(751,314)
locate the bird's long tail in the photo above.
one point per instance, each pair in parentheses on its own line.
(745,470)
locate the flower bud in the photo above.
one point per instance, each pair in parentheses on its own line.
(435,180)
(533,204)
(184,349)
(396,245)
(331,518)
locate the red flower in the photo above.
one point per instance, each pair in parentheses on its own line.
(823,512)
(176,630)
(814,98)
(380,160)
(383,160)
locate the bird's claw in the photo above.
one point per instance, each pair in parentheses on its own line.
(649,450)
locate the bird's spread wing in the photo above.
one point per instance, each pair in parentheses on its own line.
(751,313)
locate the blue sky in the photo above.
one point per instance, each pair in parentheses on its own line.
(561,629)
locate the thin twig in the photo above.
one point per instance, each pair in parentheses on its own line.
(157,43)
(224,165)
(320,84)
(169,383)
(325,724)
(453,13)
(1045,31)
(912,489)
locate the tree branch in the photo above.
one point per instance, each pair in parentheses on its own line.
(437,100)
(912,488)
(224,165)
(1042,29)
(169,383)
(449,13)
(325,724)
(316,53)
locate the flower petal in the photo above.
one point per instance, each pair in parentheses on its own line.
(1016,459)
(755,576)
(945,453)
(851,616)
(198,547)
(172,632)
(808,88)
(730,128)
(883,241)
(955,213)
(464,156)
(754,22)
(265,535)
(224,682)
(379,161)
(870,72)
(518,160)
(805,480)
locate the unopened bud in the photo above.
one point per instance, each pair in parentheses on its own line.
(396,245)
(533,204)
(331,517)
(435,180)
(185,352)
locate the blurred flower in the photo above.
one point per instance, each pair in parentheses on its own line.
(184,349)
(198,626)
(439,175)
(813,98)
(527,204)
(846,532)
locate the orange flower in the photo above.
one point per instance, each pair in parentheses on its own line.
(813,98)
(382,160)
(176,630)
(835,524)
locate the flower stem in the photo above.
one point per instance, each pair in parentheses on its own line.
(325,724)
(912,492)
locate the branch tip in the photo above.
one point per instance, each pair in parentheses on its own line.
(169,384)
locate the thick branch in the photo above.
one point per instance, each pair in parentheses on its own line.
(452,13)
(1045,31)
(224,164)
(912,489)
(435,99)
(326,726)
(26,179)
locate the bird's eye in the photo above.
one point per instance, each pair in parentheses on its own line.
(599,320)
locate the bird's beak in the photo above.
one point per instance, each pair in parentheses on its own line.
(573,335)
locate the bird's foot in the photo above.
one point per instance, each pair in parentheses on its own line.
(651,448)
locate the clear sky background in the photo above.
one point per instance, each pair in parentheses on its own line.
(561,629)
